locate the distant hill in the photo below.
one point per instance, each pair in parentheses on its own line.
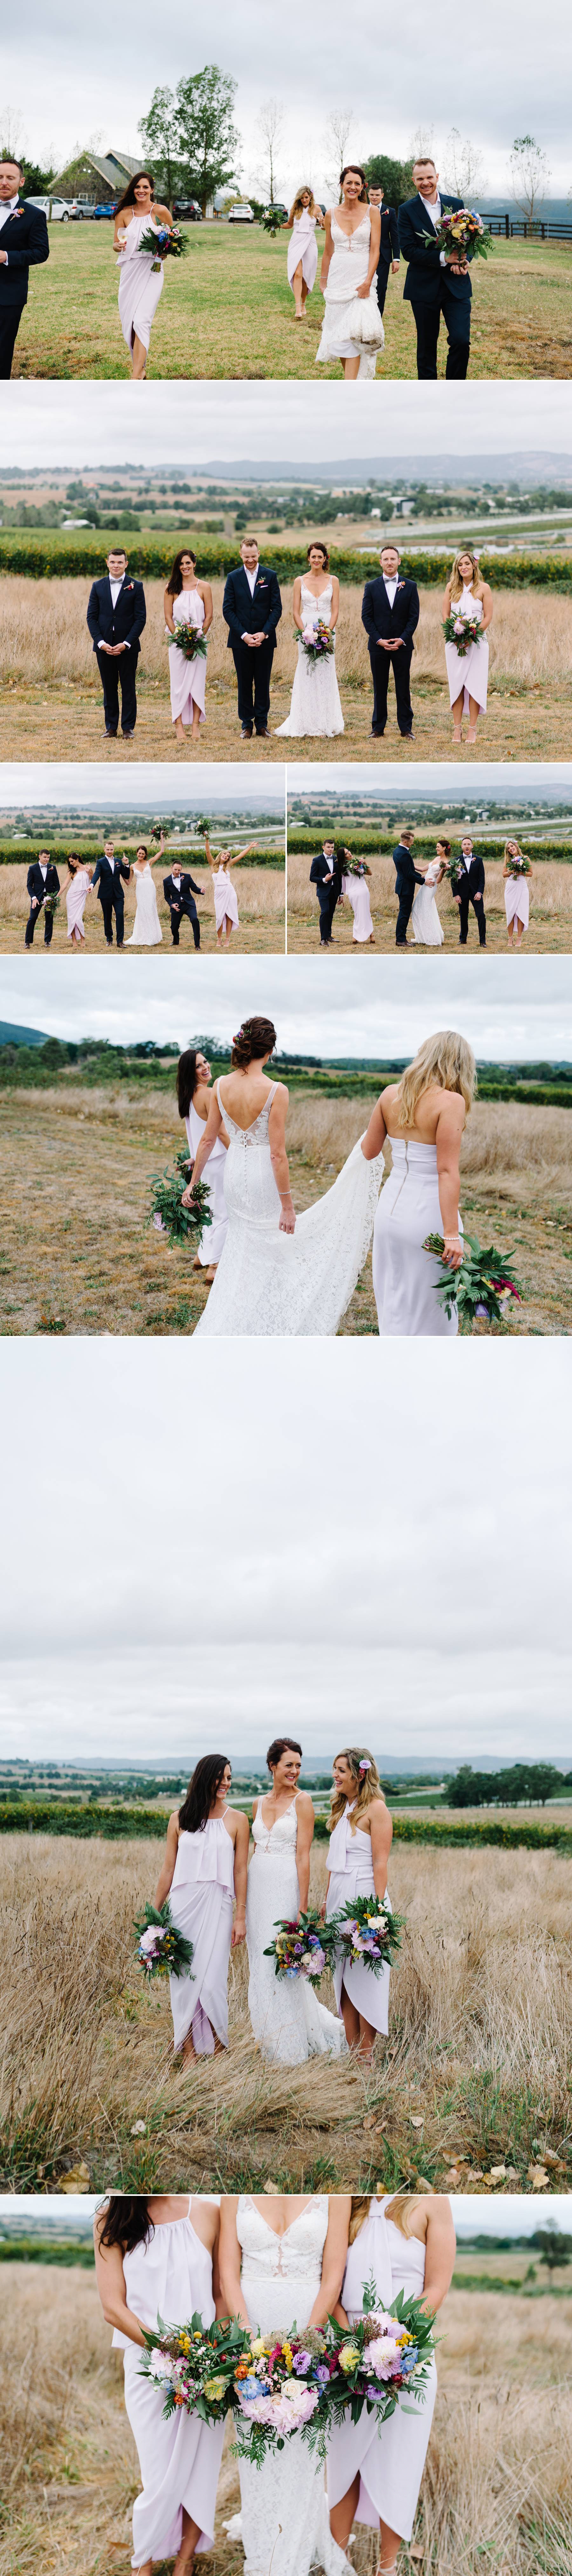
(11,1035)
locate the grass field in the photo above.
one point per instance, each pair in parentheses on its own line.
(227,311)
(77,1257)
(471,2089)
(51,704)
(261,894)
(497,2490)
(550,919)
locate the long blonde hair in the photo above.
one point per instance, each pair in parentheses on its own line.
(297,208)
(455,584)
(446,1059)
(368,1784)
(511,845)
(401,2210)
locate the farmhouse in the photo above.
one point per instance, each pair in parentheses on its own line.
(97,176)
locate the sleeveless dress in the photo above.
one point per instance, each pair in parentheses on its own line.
(468,671)
(187,679)
(287,2019)
(200,1898)
(405,1278)
(213,1236)
(75,900)
(267,1282)
(315,704)
(180,2458)
(357,891)
(303,247)
(225,900)
(346,272)
(388,2458)
(425,922)
(146,932)
(140,284)
(516,900)
(351,1874)
(284,2520)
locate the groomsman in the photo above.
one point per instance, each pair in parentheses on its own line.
(116,616)
(390,614)
(435,285)
(23,245)
(471,890)
(42,879)
(108,876)
(389,246)
(178,891)
(326,875)
(407,876)
(251,609)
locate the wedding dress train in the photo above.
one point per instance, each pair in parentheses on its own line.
(284,2521)
(272,1283)
(287,2019)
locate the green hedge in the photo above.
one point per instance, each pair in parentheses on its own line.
(52,1816)
(21,853)
(50,551)
(303,841)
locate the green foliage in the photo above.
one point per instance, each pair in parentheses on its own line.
(40,2249)
(191,135)
(167,1213)
(120,1823)
(74,550)
(526,1783)
(304,837)
(395,177)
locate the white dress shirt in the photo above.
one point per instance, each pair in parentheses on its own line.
(391,585)
(252,578)
(465,859)
(7,209)
(115,587)
(434,213)
(110,862)
(43,869)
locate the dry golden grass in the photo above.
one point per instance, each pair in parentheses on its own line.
(51,702)
(261,896)
(475,2067)
(497,2489)
(550,900)
(77,1167)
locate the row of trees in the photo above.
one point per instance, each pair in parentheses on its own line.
(526,1784)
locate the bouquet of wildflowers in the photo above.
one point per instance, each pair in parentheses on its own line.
(482,1288)
(519,866)
(302,1949)
(51,904)
(162,1951)
(462,235)
(383,2358)
(368,1934)
(461,631)
(202,825)
(354,867)
(190,642)
(195,2365)
(281,2388)
(166,241)
(453,872)
(167,1213)
(318,642)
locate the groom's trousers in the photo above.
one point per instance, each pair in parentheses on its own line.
(253,666)
(112,901)
(10,319)
(456,312)
(479,912)
(400,664)
(115,675)
(327,899)
(37,914)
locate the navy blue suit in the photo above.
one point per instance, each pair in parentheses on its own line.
(24,238)
(122,624)
(471,887)
(434,291)
(328,894)
(180,900)
(380,618)
(38,888)
(256,614)
(389,249)
(110,895)
(407,876)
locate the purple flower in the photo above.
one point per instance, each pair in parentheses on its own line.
(301,2363)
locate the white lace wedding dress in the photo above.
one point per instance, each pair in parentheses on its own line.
(425,922)
(287,2019)
(284,2520)
(267,1282)
(146,932)
(315,704)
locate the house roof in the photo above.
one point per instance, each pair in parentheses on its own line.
(111,166)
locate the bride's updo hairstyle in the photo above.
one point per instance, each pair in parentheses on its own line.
(175,581)
(317,547)
(126,2221)
(401,2210)
(203,1784)
(443,845)
(128,198)
(255,1038)
(357,173)
(445,1059)
(365,1774)
(281,1744)
(187,1079)
(455,583)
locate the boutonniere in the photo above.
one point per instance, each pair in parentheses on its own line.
(18,210)
(401,585)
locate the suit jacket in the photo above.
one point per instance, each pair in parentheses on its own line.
(406,873)
(378,616)
(120,625)
(475,875)
(24,237)
(252,616)
(35,881)
(424,273)
(183,893)
(321,868)
(102,871)
(389,245)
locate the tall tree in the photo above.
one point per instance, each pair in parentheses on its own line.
(207,138)
(159,131)
(270,124)
(395,177)
(529,174)
(338,131)
(465,167)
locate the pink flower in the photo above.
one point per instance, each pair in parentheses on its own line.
(382,2356)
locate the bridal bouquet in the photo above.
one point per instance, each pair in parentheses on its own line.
(462,631)
(368,1933)
(355,867)
(386,2355)
(462,235)
(190,642)
(280,2388)
(162,1951)
(519,867)
(302,1949)
(483,1286)
(202,825)
(166,242)
(167,1213)
(196,2365)
(318,642)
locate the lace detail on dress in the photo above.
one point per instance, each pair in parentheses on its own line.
(257,1132)
(281,1835)
(269,1283)
(287,2019)
(294,2256)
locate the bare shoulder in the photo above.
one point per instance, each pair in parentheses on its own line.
(282,1089)
(304,1802)
(163,212)
(173,1824)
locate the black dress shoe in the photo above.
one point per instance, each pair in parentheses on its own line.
(378,732)
(128,732)
(111,731)
(406,737)
(262,732)
(247,732)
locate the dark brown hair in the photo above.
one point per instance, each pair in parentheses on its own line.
(360,174)
(126,2222)
(187,1079)
(141,846)
(281,1744)
(74,860)
(128,198)
(443,845)
(175,581)
(255,1038)
(317,546)
(203,1784)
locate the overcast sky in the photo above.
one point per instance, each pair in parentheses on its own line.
(178,997)
(77,425)
(435,778)
(473,2213)
(33,784)
(194,1549)
(69,73)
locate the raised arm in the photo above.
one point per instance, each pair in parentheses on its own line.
(229,2261)
(241,1841)
(165,1878)
(304,1839)
(110,2279)
(279,1157)
(381,1841)
(212,1130)
(334,2259)
(373,1141)
(450,1124)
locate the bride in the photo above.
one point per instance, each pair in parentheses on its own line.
(349,278)
(375,2470)
(146,932)
(423,1116)
(315,705)
(282,2262)
(287,2019)
(425,923)
(279,1273)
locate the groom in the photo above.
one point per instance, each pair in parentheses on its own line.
(116,616)
(407,876)
(435,284)
(107,876)
(179,891)
(326,875)
(251,609)
(390,614)
(471,888)
(23,245)
(42,879)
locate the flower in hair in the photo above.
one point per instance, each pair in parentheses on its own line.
(365,1766)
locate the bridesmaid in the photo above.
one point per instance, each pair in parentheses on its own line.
(225,900)
(375,2470)
(140,277)
(194,1095)
(359,1848)
(76,888)
(304,220)
(423,1116)
(467,673)
(193,600)
(516,901)
(206,1861)
(158,2257)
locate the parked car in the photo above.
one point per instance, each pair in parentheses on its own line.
(57,209)
(104,214)
(186,210)
(81,212)
(240,215)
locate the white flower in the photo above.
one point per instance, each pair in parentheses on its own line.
(160,2365)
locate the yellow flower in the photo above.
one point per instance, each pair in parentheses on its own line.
(287,2352)
(258,2346)
(214,2388)
(185,2343)
(349,2356)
